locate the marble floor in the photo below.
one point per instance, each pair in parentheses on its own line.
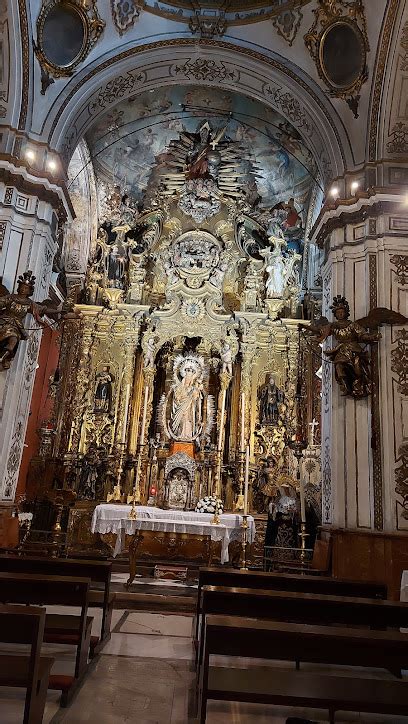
(145,675)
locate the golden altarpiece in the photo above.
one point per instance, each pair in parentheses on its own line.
(184,347)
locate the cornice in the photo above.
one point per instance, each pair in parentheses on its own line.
(14,173)
(337,214)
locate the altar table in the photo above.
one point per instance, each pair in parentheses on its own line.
(114,518)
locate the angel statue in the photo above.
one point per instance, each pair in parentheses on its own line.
(351,361)
(13,310)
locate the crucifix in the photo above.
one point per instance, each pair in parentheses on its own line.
(312,426)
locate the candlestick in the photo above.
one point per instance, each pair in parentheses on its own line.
(242,421)
(127,396)
(246,481)
(142,431)
(221,430)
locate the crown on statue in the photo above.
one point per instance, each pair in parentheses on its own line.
(28,279)
(340,302)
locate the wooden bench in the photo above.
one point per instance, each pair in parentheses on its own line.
(99,572)
(231,636)
(307,608)
(25,588)
(25,626)
(211,576)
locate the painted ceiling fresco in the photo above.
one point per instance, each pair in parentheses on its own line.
(130,143)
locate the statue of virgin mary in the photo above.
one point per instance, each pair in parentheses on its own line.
(187,393)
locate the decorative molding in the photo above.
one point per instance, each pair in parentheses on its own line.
(376,442)
(400,262)
(37,189)
(25,53)
(205,69)
(3,227)
(125,13)
(399,138)
(288,23)
(207,26)
(399,360)
(404,46)
(381,60)
(401,477)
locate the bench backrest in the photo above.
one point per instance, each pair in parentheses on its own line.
(20,625)
(98,571)
(231,636)
(303,607)
(290,582)
(44,590)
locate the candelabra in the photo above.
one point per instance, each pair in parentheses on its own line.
(239,505)
(244,526)
(135,497)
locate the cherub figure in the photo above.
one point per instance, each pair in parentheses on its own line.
(13,310)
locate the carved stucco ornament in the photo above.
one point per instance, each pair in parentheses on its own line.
(125,13)
(338,44)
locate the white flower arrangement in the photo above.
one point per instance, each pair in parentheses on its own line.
(24,518)
(210,504)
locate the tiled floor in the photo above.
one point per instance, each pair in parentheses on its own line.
(145,675)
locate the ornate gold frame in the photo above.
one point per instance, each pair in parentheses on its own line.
(351,88)
(327,16)
(93,27)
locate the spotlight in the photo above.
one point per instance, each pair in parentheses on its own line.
(334,192)
(354,186)
(52,164)
(30,155)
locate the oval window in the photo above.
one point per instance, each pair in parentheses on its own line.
(342,54)
(63,35)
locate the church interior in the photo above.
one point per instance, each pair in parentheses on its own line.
(203,361)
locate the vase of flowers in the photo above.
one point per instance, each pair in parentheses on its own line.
(210,504)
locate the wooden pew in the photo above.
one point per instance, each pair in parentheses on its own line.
(211,576)
(98,571)
(307,608)
(231,636)
(30,589)
(25,626)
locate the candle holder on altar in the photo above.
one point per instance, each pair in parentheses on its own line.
(298,445)
(135,496)
(239,504)
(244,544)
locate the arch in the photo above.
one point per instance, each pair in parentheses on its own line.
(180,61)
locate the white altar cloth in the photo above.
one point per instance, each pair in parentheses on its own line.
(109,518)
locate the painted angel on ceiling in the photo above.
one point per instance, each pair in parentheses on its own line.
(351,359)
(13,310)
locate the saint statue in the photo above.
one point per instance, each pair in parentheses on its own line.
(13,310)
(91,465)
(103,390)
(187,399)
(278,268)
(270,397)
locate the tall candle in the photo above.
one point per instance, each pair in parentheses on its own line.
(127,396)
(142,431)
(221,430)
(246,481)
(243,422)
(302,498)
